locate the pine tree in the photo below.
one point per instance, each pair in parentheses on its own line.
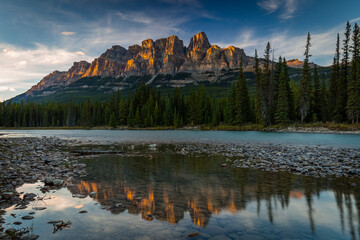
(317,96)
(122,112)
(344,73)
(242,101)
(112,122)
(353,104)
(266,100)
(137,119)
(282,109)
(323,100)
(339,91)
(305,84)
(258,90)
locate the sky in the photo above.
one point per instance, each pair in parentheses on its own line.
(40,36)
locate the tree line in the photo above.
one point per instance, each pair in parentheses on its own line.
(277,99)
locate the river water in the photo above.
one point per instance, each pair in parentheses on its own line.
(159,194)
(181,136)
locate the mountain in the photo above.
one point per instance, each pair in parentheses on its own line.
(165,63)
(296,63)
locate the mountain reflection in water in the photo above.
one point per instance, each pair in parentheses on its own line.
(166,186)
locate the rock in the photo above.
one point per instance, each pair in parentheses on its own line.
(30,237)
(152,146)
(79,196)
(93,194)
(55,221)
(10,231)
(194,234)
(58,182)
(83,211)
(49,181)
(27,217)
(39,208)
(7,195)
(29,196)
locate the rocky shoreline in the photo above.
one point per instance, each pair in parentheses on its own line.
(300,160)
(28,160)
(50,160)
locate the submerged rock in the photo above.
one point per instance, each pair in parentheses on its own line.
(30,237)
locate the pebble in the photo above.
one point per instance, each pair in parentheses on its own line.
(30,237)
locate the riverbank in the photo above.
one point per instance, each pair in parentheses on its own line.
(54,162)
(28,160)
(326,128)
(300,160)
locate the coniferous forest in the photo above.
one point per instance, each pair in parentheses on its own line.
(278,100)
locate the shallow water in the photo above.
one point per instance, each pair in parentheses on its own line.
(181,136)
(163,195)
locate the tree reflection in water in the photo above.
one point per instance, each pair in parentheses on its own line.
(167,185)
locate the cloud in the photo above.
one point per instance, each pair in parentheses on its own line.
(269,5)
(287,7)
(290,46)
(68,33)
(21,67)
(7,89)
(138,17)
(355,20)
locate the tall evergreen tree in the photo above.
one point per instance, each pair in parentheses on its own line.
(339,91)
(266,100)
(242,101)
(353,104)
(305,84)
(282,109)
(258,90)
(317,96)
(323,100)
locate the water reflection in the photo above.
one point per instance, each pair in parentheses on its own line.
(167,187)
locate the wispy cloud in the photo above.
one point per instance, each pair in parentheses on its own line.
(7,89)
(68,33)
(137,17)
(291,46)
(286,7)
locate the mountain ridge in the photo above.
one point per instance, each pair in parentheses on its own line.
(161,59)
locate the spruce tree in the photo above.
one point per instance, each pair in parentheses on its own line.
(339,91)
(305,84)
(242,101)
(282,109)
(317,96)
(112,122)
(257,71)
(353,104)
(266,100)
(323,100)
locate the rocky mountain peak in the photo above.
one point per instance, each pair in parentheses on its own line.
(198,46)
(199,42)
(115,53)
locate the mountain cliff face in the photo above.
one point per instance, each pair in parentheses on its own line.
(296,63)
(166,56)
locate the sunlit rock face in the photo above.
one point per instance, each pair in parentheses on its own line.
(296,63)
(163,56)
(58,79)
(104,67)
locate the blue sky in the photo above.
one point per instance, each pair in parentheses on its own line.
(40,36)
